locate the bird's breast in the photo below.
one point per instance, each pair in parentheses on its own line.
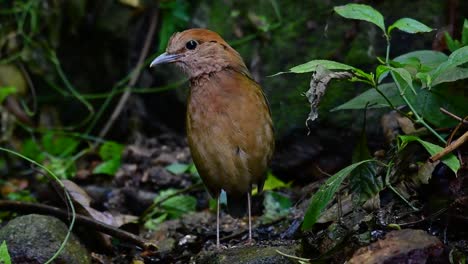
(229,132)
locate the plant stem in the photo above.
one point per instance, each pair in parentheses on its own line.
(419,119)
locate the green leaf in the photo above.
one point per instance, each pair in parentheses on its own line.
(325,194)
(64,168)
(276,206)
(59,145)
(450,160)
(452,44)
(457,58)
(406,77)
(111,150)
(373,99)
(409,25)
(4,255)
(174,206)
(153,223)
(364,182)
(272,183)
(428,102)
(311,66)
(178,168)
(6,91)
(451,75)
(361,12)
(178,205)
(429,58)
(31,150)
(381,71)
(109,167)
(464,39)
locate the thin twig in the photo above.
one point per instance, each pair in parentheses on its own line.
(136,73)
(81,220)
(444,111)
(450,148)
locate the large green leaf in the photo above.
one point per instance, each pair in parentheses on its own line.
(311,66)
(361,12)
(429,58)
(372,99)
(428,102)
(451,75)
(409,25)
(325,194)
(450,160)
(457,58)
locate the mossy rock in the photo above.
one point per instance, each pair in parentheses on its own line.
(35,238)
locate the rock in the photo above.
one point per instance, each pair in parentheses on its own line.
(257,254)
(35,238)
(403,246)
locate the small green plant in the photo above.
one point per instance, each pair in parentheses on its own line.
(416,80)
(454,44)
(111,155)
(170,205)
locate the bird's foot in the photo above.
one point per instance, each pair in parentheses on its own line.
(249,242)
(220,247)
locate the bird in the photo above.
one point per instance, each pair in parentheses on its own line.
(228,120)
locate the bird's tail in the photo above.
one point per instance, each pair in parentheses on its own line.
(237,205)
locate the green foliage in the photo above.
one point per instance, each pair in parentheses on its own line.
(5,91)
(325,195)
(22,195)
(410,74)
(171,206)
(361,12)
(364,181)
(450,160)
(111,155)
(178,168)
(454,44)
(174,17)
(272,183)
(4,255)
(58,152)
(409,25)
(416,80)
(276,206)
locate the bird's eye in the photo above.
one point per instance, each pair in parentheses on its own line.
(191,45)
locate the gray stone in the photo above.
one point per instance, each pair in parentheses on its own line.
(35,238)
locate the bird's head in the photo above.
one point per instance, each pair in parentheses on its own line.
(200,51)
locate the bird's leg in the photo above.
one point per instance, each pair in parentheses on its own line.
(250,217)
(217,224)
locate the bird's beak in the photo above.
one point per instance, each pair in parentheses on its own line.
(165,58)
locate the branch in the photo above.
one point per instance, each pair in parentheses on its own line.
(450,148)
(135,74)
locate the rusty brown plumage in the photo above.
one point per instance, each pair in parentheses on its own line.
(229,127)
